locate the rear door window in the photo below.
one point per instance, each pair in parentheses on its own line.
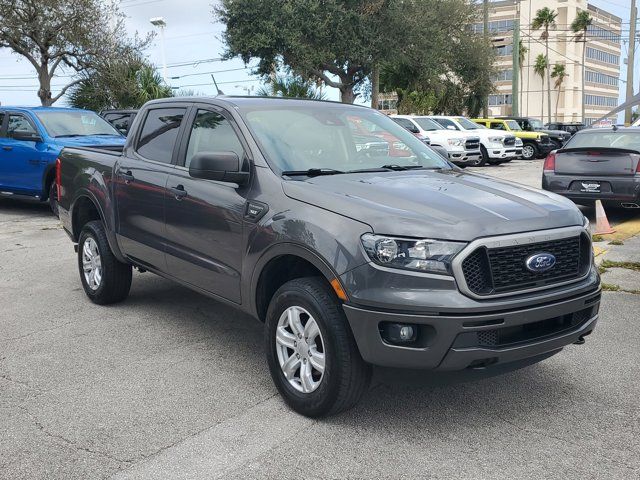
(159,134)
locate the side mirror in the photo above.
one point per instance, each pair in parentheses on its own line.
(25,136)
(413,129)
(220,166)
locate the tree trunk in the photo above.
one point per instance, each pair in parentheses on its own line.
(44,92)
(557,103)
(375,86)
(346,94)
(542,103)
(584,49)
(548,80)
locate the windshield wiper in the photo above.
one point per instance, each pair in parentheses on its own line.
(400,168)
(70,135)
(312,172)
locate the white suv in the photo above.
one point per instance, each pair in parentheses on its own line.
(497,146)
(463,148)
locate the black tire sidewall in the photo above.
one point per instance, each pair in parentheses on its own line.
(320,401)
(53,198)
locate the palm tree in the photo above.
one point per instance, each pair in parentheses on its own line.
(290,86)
(540,67)
(522,51)
(559,73)
(545,18)
(579,26)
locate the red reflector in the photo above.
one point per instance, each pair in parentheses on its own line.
(550,162)
(638,167)
(59,178)
(594,153)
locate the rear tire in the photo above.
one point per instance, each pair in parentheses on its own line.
(344,377)
(105,279)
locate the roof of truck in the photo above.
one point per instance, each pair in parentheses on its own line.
(41,109)
(243,101)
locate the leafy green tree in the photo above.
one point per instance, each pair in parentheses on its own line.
(335,41)
(123,83)
(70,35)
(290,86)
(559,73)
(579,26)
(540,68)
(545,18)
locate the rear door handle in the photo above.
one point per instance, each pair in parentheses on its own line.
(178,192)
(7,149)
(127,177)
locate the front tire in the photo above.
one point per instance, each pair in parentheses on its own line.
(105,279)
(529,151)
(484,157)
(312,355)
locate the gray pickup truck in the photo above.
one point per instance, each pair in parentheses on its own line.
(351,252)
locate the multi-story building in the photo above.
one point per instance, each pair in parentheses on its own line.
(602,60)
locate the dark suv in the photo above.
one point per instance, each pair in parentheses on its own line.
(353,251)
(558,137)
(569,127)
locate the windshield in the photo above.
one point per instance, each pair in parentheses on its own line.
(513,125)
(605,138)
(427,124)
(74,123)
(468,124)
(536,124)
(303,137)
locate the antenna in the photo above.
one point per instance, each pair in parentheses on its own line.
(220,92)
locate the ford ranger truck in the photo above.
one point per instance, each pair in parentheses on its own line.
(31,139)
(351,257)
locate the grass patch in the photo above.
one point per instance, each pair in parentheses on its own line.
(601,269)
(608,287)
(597,238)
(628,265)
(616,242)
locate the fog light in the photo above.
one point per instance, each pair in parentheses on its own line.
(399,333)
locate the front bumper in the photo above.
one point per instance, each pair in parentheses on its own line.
(451,341)
(545,148)
(502,153)
(465,157)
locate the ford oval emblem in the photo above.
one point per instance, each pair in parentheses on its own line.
(540,262)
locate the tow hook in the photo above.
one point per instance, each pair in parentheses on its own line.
(580,341)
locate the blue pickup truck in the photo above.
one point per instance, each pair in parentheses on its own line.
(31,139)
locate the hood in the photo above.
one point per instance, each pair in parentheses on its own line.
(556,133)
(449,205)
(91,141)
(490,132)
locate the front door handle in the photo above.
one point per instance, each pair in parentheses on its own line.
(178,192)
(127,177)
(7,148)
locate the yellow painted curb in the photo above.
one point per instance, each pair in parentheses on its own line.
(624,230)
(598,250)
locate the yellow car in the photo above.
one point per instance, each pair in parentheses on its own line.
(535,144)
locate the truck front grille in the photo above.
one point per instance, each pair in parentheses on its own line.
(472,143)
(509,141)
(490,271)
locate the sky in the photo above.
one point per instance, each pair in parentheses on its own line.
(193,47)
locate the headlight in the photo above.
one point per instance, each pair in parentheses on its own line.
(519,142)
(424,255)
(586,223)
(456,142)
(496,139)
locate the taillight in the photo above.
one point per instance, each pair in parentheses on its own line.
(638,167)
(59,178)
(550,163)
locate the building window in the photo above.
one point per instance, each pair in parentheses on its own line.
(601,56)
(601,78)
(502,76)
(495,100)
(504,50)
(602,33)
(601,101)
(387,104)
(496,26)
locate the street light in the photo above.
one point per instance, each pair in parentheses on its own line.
(161,23)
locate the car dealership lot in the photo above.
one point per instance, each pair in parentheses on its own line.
(170,384)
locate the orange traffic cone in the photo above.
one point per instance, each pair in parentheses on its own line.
(602,224)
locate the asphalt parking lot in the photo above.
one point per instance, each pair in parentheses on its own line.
(170,384)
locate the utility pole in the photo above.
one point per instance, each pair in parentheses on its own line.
(515,77)
(631,61)
(485,32)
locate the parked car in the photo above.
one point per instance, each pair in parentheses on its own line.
(597,164)
(120,119)
(569,127)
(463,149)
(496,146)
(558,137)
(535,144)
(351,259)
(31,139)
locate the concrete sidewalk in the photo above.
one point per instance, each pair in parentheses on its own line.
(619,262)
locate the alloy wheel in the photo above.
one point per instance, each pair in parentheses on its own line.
(91,264)
(300,349)
(528,152)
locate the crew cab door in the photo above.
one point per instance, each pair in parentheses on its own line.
(23,155)
(204,217)
(140,186)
